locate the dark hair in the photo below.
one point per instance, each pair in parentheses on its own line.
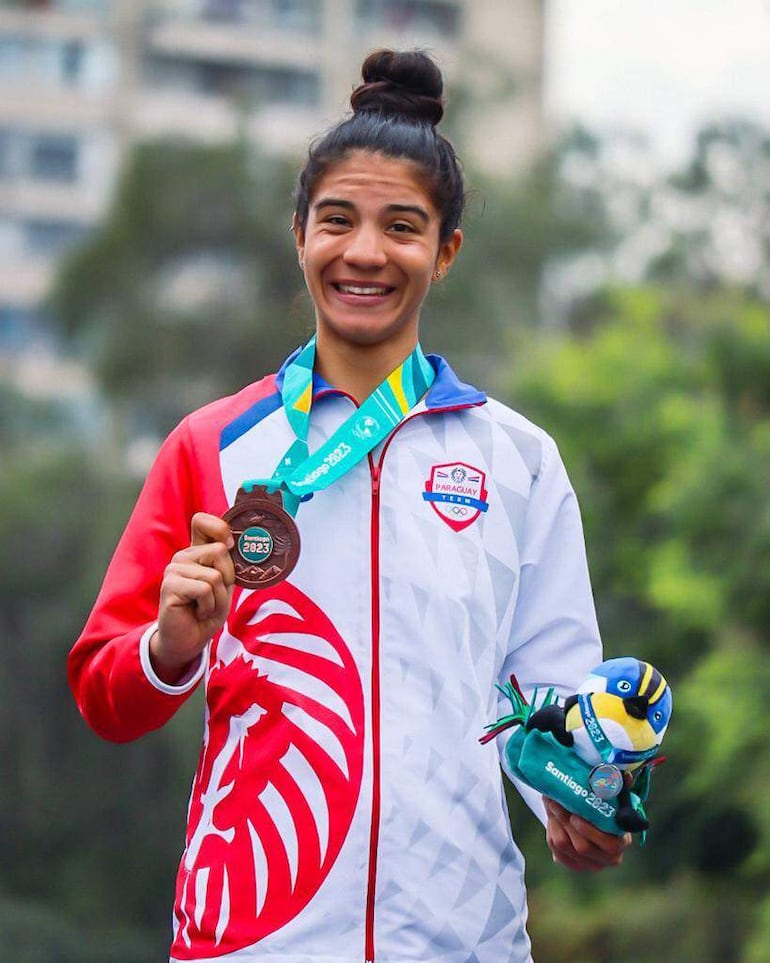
(395,113)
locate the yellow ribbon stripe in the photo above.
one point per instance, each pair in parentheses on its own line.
(396,386)
(305,399)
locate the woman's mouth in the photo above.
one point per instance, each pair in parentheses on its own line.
(361,290)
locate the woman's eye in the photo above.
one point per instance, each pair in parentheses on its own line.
(400,227)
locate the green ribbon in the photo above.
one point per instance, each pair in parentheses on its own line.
(300,474)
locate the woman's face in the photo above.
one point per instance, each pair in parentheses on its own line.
(370,249)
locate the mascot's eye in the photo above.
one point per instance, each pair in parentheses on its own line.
(657,716)
(624,685)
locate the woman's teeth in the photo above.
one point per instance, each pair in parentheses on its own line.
(361,289)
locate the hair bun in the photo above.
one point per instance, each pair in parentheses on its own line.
(406,84)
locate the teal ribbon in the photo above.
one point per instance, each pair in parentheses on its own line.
(300,474)
(604,747)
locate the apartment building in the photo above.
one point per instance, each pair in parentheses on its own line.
(58,148)
(80,80)
(285,68)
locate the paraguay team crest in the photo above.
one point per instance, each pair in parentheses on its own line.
(456,493)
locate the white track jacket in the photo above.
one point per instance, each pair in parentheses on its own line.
(343,809)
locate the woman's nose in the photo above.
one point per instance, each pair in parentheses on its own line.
(365,248)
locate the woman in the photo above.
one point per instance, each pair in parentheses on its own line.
(343,809)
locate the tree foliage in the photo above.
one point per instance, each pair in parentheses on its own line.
(187,291)
(704,226)
(663,418)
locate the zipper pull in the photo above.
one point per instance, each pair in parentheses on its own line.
(375,480)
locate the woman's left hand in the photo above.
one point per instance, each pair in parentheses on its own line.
(578,844)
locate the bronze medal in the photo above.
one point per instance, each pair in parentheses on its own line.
(266,538)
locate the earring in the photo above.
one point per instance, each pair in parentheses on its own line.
(302,265)
(437,275)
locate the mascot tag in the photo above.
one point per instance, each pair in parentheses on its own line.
(577,753)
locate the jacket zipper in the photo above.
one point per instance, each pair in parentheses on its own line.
(374,827)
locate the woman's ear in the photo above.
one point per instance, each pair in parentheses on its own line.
(299,239)
(447,252)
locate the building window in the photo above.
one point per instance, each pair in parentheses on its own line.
(300,15)
(296,15)
(52,238)
(440,17)
(6,154)
(280,85)
(19,327)
(12,55)
(54,62)
(53,157)
(73,6)
(38,156)
(221,80)
(72,61)
(224,10)
(275,85)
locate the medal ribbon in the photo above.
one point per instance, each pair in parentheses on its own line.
(299,474)
(603,745)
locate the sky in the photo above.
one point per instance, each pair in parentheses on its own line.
(661,67)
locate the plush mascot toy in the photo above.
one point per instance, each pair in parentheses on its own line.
(578,753)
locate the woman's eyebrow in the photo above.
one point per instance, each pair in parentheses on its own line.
(334,202)
(409,209)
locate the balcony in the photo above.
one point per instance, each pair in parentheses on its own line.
(292,16)
(63,73)
(228,42)
(56,19)
(425,19)
(60,6)
(283,18)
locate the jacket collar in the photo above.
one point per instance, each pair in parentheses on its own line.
(447,391)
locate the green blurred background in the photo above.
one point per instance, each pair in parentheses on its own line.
(600,299)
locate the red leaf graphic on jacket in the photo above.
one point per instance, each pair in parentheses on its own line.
(279,773)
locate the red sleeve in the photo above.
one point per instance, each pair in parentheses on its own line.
(114,693)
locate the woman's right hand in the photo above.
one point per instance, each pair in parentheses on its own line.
(195,598)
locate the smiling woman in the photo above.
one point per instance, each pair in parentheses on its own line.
(378,209)
(369,250)
(343,809)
